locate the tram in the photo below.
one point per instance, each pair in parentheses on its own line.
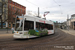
(30,27)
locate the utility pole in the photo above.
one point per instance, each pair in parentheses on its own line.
(38,11)
(68,22)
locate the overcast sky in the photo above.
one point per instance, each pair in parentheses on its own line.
(59,9)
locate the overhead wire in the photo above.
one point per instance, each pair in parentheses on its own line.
(32,3)
(46,7)
(38,6)
(59,6)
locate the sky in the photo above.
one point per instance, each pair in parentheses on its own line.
(59,9)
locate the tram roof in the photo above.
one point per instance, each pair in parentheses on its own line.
(36,17)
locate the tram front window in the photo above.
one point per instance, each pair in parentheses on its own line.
(18,26)
(19,23)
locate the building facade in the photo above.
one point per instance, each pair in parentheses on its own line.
(3,12)
(71,22)
(10,10)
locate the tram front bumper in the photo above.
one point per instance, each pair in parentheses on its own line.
(15,36)
(20,36)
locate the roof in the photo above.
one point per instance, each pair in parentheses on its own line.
(18,4)
(73,15)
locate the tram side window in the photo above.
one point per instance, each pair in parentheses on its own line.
(44,26)
(37,25)
(28,25)
(40,26)
(74,23)
(50,27)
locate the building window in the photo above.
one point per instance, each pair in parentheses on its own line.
(17,4)
(13,25)
(9,25)
(4,17)
(10,1)
(9,6)
(21,10)
(0,10)
(13,7)
(0,4)
(5,11)
(3,0)
(5,6)
(24,11)
(13,2)
(9,13)
(4,24)
(13,19)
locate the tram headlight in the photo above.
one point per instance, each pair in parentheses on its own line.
(17,32)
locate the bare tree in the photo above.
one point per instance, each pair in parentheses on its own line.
(17,12)
(12,14)
(1,15)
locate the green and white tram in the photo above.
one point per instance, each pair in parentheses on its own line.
(30,27)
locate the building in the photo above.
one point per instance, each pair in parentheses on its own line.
(71,22)
(10,10)
(57,24)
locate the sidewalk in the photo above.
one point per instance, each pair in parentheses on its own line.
(5,34)
(72,32)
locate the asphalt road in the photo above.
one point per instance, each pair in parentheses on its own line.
(58,41)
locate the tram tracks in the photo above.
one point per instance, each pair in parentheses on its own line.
(16,42)
(35,42)
(8,41)
(42,45)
